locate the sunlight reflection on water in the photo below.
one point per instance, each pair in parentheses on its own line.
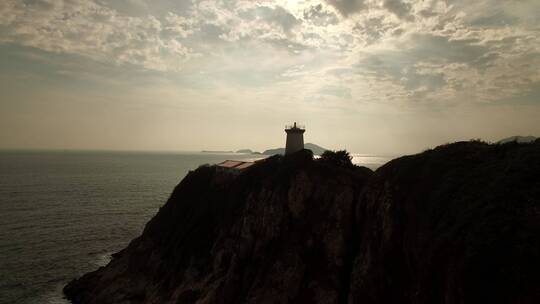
(371,161)
(63,213)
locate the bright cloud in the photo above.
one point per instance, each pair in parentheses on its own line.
(93,30)
(430,50)
(323,54)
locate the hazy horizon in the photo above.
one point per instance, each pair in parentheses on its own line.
(370,76)
(212,151)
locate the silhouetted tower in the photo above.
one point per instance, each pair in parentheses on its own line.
(295,138)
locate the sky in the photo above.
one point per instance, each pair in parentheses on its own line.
(369,76)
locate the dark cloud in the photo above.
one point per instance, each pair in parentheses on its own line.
(373,29)
(485,61)
(347,7)
(397,32)
(40,4)
(340,72)
(441,49)
(497,19)
(92,30)
(291,46)
(319,16)
(413,80)
(208,34)
(426,13)
(280,16)
(401,67)
(430,47)
(384,66)
(531,94)
(399,8)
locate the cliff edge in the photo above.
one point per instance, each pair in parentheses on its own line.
(456,224)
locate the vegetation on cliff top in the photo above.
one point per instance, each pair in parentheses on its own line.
(456,224)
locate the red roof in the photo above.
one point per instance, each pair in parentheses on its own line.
(235,164)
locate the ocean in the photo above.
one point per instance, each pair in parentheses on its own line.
(63,213)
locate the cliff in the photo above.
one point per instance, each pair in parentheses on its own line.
(457,224)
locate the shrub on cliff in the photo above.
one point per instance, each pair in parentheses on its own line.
(340,158)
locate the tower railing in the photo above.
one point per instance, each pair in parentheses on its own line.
(301,127)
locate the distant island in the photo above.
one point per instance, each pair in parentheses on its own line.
(518,139)
(216,151)
(316,149)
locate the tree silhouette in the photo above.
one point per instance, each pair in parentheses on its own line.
(340,158)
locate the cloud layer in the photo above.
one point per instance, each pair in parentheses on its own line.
(343,52)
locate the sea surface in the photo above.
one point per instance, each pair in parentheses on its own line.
(63,213)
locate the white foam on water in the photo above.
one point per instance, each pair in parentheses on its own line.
(102,259)
(55,296)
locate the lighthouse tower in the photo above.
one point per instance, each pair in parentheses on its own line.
(295,138)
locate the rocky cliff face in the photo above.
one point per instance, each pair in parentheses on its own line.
(457,224)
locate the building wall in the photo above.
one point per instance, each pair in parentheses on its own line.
(295,142)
